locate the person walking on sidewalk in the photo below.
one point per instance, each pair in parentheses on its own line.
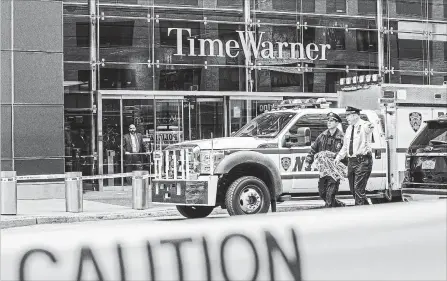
(357,146)
(330,141)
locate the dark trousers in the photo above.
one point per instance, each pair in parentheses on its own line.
(133,162)
(328,188)
(359,170)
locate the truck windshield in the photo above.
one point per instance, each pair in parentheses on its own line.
(267,125)
(434,134)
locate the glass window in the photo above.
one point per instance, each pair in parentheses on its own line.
(229,79)
(111,132)
(185,79)
(227,3)
(115,78)
(238,115)
(171,39)
(434,134)
(333,77)
(177,2)
(420,8)
(414,79)
(111,34)
(367,6)
(306,6)
(336,6)
(414,49)
(82,34)
(204,119)
(315,122)
(267,125)
(336,38)
(284,79)
(260,106)
(366,40)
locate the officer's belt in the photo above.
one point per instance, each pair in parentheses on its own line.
(361,157)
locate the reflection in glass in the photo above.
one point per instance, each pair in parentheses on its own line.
(168,122)
(209,116)
(238,115)
(336,38)
(336,6)
(111,131)
(366,40)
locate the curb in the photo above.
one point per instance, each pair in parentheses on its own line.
(12,222)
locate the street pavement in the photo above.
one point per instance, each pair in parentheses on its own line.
(218,213)
(110,205)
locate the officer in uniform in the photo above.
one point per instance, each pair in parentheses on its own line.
(330,140)
(357,146)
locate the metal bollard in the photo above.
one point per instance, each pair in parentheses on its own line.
(73,192)
(140,186)
(8,193)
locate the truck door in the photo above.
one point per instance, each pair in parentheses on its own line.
(292,159)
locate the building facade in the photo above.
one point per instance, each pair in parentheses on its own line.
(191,69)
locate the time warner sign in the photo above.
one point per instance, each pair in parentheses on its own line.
(263,49)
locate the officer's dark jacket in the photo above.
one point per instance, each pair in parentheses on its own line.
(326,141)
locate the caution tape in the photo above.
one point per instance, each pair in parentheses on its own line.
(402,240)
(41,177)
(107,176)
(63,176)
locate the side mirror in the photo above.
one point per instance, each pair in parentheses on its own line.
(287,140)
(303,136)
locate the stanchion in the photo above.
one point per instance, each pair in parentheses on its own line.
(140,184)
(73,192)
(8,193)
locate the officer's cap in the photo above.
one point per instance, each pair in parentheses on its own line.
(334,116)
(350,110)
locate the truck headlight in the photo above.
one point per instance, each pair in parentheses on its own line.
(194,161)
(209,160)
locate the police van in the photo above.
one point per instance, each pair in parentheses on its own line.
(263,163)
(426,163)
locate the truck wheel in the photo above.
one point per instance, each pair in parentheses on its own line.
(247,195)
(194,212)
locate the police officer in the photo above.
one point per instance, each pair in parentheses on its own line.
(330,140)
(357,146)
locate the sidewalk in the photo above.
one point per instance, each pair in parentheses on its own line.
(97,206)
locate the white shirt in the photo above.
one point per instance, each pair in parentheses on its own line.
(362,139)
(133,137)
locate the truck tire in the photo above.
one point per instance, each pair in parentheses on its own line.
(246,196)
(194,212)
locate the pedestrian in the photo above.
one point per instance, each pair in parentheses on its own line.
(357,146)
(330,141)
(133,147)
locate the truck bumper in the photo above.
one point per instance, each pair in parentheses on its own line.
(412,192)
(200,192)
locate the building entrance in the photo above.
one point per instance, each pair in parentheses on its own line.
(160,122)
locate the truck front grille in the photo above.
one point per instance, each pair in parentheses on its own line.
(174,164)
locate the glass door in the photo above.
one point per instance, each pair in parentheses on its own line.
(111,140)
(168,122)
(209,118)
(204,118)
(138,135)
